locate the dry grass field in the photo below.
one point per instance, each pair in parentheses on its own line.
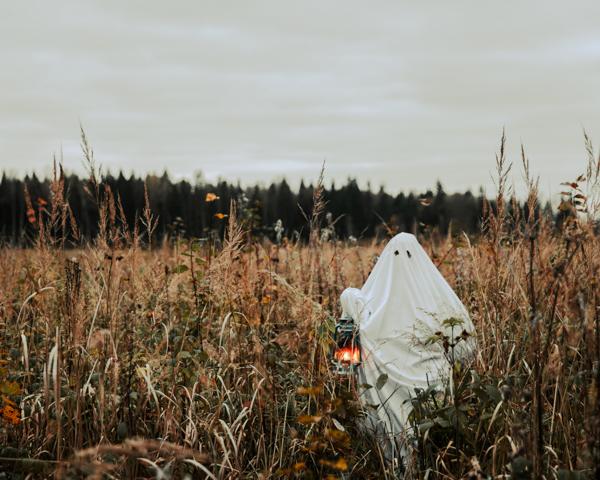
(210,359)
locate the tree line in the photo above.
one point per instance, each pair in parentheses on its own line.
(275,211)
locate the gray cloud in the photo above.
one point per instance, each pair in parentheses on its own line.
(400,93)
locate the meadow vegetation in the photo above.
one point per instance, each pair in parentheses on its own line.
(210,358)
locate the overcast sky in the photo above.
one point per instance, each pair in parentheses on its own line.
(399,93)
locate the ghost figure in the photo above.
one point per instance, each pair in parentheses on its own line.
(404,302)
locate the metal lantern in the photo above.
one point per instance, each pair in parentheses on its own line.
(346,353)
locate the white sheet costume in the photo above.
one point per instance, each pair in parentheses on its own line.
(403,302)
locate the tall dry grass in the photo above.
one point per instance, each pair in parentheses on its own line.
(209,359)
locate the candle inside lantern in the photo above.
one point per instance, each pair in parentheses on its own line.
(349,354)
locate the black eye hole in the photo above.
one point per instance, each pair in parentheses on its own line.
(396,252)
(408,253)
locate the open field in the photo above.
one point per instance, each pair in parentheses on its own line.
(213,360)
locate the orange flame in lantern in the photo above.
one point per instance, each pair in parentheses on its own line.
(349,354)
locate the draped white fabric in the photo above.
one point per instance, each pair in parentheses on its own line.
(404,301)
